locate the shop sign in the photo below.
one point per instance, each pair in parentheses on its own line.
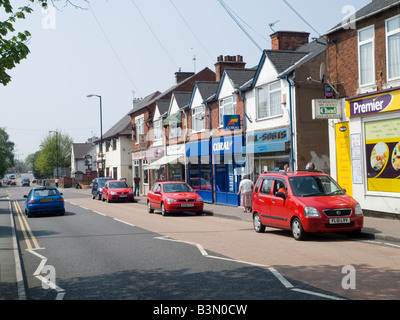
(232,122)
(326,109)
(378,103)
(266,141)
(227,145)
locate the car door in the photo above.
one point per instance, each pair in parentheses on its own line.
(264,200)
(280,211)
(156,196)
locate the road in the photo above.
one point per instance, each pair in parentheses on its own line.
(100,251)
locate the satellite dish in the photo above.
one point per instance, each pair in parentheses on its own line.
(322,71)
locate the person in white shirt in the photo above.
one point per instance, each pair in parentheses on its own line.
(246,190)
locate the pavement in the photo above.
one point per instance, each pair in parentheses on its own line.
(375,228)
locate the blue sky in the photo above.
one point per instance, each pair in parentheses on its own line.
(122,46)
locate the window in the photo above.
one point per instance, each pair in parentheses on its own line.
(198,119)
(114,144)
(175,131)
(269,100)
(366,59)
(139,124)
(393,48)
(266,186)
(226,106)
(157,130)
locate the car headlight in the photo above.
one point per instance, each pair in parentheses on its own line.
(113,193)
(311,212)
(130,192)
(357,209)
(199,199)
(170,200)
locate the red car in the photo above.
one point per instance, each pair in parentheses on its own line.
(303,202)
(117,190)
(174,196)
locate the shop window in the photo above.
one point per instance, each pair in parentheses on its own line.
(366,60)
(393,48)
(200,176)
(224,175)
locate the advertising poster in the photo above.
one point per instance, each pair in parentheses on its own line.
(382,150)
(343,159)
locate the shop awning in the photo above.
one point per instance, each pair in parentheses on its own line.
(174,118)
(177,158)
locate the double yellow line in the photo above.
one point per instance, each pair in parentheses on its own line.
(30,240)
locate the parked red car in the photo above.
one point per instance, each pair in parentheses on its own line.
(117,190)
(303,202)
(174,196)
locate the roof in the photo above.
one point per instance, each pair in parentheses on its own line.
(168,91)
(163,106)
(372,8)
(207,88)
(80,150)
(182,98)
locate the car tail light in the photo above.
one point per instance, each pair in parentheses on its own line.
(60,199)
(31,201)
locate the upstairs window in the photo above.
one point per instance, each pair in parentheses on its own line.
(198,119)
(393,48)
(227,106)
(139,125)
(157,130)
(269,100)
(366,58)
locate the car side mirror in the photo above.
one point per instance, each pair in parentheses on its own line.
(157,192)
(25,196)
(195,191)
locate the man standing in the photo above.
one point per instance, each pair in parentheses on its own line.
(136,181)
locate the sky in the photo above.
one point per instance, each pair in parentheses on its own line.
(125,49)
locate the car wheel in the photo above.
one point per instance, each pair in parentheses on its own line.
(149,209)
(258,226)
(163,211)
(93,196)
(297,229)
(108,199)
(99,197)
(62,212)
(199,213)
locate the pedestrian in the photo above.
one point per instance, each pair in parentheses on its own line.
(286,168)
(44,183)
(246,190)
(136,181)
(310,166)
(56,182)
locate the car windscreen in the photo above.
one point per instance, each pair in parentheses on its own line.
(310,186)
(119,184)
(176,187)
(45,193)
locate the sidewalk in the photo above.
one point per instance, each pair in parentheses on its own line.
(379,229)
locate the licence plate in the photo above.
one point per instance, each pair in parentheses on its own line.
(46,200)
(122,195)
(187,205)
(339,220)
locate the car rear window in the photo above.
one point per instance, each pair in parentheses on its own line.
(45,193)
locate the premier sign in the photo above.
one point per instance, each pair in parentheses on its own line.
(370,105)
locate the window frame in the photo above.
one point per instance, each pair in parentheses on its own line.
(223,105)
(196,119)
(270,90)
(361,44)
(389,34)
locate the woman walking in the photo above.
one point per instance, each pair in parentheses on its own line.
(246,190)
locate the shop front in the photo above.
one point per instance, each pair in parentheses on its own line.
(199,168)
(229,166)
(267,151)
(373,147)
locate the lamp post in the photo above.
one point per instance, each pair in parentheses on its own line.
(101,172)
(56,132)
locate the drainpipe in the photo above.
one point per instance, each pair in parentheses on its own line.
(291,122)
(210,149)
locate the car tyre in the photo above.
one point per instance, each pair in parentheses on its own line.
(258,226)
(149,209)
(297,230)
(163,211)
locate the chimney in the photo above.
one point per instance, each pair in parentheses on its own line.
(288,40)
(181,76)
(227,62)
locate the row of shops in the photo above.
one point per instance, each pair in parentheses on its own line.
(214,166)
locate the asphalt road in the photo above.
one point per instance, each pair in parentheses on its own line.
(101,251)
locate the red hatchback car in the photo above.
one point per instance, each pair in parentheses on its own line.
(117,190)
(174,196)
(304,202)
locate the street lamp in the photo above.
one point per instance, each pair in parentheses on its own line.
(56,132)
(101,172)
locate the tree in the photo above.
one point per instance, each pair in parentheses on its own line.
(13,45)
(55,151)
(6,152)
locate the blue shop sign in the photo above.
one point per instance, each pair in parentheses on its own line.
(198,148)
(266,141)
(232,122)
(227,145)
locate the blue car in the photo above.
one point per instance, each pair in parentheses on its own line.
(97,187)
(44,200)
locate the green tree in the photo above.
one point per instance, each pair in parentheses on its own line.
(13,44)
(6,152)
(55,151)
